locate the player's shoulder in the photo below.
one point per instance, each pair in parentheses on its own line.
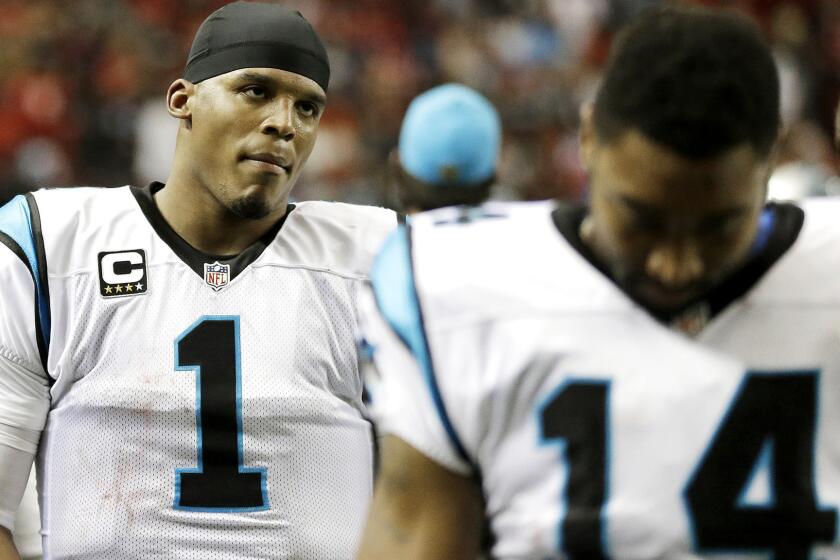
(494,238)
(457,261)
(66,201)
(27,217)
(807,273)
(341,214)
(334,236)
(462,222)
(480,231)
(820,236)
(75,193)
(821,223)
(489,233)
(60,224)
(60,210)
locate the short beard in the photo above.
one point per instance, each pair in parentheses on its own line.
(251,207)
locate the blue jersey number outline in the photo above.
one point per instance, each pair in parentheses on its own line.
(210,348)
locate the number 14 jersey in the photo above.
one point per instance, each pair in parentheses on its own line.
(597,431)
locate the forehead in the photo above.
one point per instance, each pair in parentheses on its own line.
(281,79)
(642,169)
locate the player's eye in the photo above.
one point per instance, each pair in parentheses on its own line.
(643,222)
(720,227)
(308,108)
(255,91)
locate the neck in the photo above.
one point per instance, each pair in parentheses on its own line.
(206,224)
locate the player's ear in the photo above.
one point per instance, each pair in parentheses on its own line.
(837,127)
(178,98)
(394,162)
(769,162)
(587,135)
(396,173)
(394,180)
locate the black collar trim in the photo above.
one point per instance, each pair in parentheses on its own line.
(191,256)
(788,221)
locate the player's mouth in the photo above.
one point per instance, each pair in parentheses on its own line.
(662,297)
(271,163)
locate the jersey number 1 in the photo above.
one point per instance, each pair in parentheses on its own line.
(221,482)
(772,415)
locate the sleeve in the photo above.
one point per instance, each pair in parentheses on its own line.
(404,396)
(24,388)
(27,534)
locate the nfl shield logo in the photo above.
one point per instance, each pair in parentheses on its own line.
(216,275)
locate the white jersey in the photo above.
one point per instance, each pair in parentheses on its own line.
(198,407)
(27,535)
(595,430)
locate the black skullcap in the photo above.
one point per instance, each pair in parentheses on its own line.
(254,35)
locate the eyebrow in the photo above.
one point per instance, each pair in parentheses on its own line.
(265,81)
(641,208)
(649,211)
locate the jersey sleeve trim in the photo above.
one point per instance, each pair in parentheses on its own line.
(395,293)
(20,231)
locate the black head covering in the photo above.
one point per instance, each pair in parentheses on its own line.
(254,35)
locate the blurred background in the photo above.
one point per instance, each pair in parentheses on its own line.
(82,86)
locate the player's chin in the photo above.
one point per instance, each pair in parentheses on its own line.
(260,199)
(663,299)
(252,206)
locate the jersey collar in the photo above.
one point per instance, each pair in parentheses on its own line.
(191,256)
(779,228)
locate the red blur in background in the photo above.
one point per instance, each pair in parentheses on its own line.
(82,84)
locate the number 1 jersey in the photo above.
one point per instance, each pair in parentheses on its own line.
(198,406)
(596,430)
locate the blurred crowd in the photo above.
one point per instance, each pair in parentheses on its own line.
(82,85)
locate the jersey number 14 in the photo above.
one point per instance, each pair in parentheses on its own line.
(773,413)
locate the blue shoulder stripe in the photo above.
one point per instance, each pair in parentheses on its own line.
(20,222)
(392,277)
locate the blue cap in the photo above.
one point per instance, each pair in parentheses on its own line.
(450,135)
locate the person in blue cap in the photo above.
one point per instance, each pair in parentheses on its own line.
(448,150)
(181,357)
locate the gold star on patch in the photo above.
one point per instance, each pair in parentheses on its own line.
(129,288)
(118,288)
(109,290)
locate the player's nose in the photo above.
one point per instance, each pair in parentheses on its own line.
(279,119)
(675,263)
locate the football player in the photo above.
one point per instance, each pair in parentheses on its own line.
(654,375)
(448,150)
(181,357)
